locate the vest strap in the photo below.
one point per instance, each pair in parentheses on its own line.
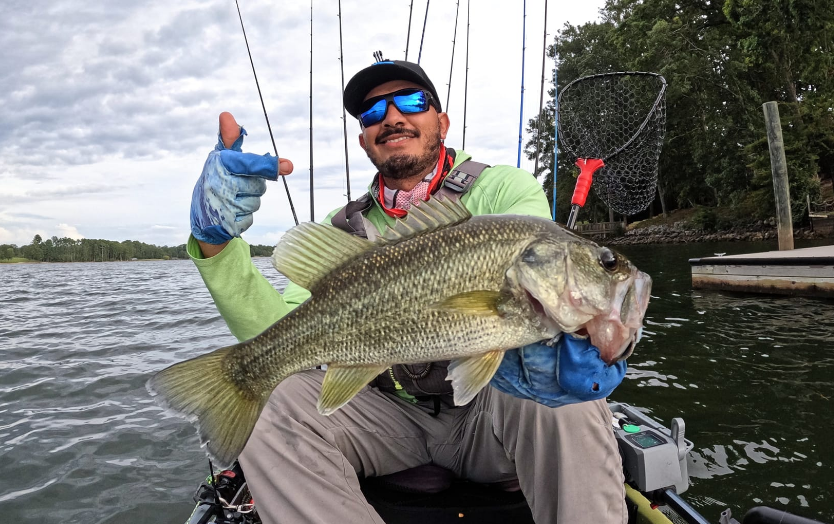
(350,218)
(459,180)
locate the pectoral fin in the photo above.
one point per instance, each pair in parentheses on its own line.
(470,374)
(480,302)
(342,383)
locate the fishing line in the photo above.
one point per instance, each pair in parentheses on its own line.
(466,81)
(312,216)
(286,187)
(452,64)
(408,37)
(555,126)
(344,115)
(541,93)
(425,18)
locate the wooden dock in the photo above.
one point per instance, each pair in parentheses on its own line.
(601,228)
(806,272)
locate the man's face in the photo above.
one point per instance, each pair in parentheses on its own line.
(402,146)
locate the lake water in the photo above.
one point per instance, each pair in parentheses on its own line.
(81,440)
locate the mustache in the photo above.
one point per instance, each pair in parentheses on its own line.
(397,131)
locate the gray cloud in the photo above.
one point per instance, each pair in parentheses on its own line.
(32,216)
(58,193)
(80,94)
(101,89)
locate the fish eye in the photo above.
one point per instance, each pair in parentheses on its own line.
(530,256)
(608,260)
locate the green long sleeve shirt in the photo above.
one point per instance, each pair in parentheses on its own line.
(248,302)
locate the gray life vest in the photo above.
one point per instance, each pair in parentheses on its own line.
(422,381)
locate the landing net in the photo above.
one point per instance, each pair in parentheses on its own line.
(619,118)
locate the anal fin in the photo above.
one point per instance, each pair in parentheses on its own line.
(469,375)
(342,383)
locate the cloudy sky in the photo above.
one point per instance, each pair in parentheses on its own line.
(109,108)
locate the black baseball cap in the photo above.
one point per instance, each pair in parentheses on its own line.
(380,72)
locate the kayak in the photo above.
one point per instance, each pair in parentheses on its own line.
(654,462)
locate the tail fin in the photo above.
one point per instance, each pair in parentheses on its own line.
(202,391)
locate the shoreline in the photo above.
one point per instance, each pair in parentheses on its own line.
(679,233)
(27,261)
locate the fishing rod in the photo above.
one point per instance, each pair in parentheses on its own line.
(555,127)
(523,52)
(344,116)
(541,93)
(286,187)
(312,215)
(408,37)
(466,81)
(425,18)
(451,66)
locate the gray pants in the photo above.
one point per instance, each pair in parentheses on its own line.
(303,468)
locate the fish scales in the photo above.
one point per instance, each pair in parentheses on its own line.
(389,287)
(443,286)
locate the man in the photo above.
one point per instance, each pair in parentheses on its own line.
(304,467)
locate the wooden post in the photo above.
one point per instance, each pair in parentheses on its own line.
(779,168)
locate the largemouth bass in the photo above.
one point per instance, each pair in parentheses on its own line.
(440,285)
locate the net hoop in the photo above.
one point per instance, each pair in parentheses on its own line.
(618,118)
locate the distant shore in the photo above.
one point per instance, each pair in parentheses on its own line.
(679,233)
(19,260)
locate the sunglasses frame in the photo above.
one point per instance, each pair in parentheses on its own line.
(389,99)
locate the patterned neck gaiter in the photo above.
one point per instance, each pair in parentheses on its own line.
(396,202)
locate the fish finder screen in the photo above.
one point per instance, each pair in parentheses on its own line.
(645,439)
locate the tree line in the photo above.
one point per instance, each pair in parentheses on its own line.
(722,60)
(96,250)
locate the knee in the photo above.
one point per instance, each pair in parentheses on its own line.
(583,417)
(285,417)
(594,412)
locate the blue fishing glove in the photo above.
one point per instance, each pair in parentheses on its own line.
(568,372)
(228,191)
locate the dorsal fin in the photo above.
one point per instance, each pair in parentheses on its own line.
(425,217)
(309,251)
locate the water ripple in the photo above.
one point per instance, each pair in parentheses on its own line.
(81,440)
(752,375)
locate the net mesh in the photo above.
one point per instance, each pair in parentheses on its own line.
(621,119)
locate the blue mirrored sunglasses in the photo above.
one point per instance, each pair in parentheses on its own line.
(408,101)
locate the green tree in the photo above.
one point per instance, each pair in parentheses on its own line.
(32,252)
(722,61)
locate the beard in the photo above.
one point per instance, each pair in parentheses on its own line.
(398,167)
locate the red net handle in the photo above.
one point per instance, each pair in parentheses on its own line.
(587,168)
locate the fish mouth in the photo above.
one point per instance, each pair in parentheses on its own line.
(563,319)
(535,303)
(615,332)
(628,346)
